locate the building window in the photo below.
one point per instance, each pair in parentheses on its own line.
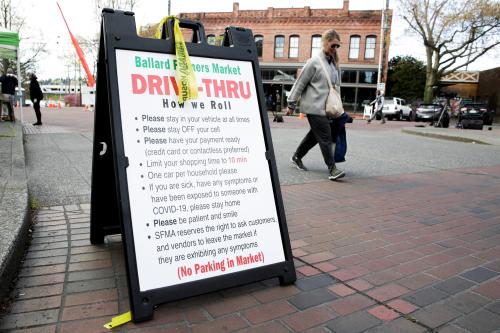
(278,74)
(211,39)
(279,46)
(259,42)
(293,51)
(368,77)
(354,47)
(315,45)
(348,95)
(370,47)
(349,76)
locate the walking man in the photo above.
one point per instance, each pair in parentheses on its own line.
(36,96)
(377,105)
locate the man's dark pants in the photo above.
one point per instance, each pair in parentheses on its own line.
(36,106)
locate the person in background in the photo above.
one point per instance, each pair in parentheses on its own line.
(312,89)
(36,96)
(378,104)
(277,99)
(9,84)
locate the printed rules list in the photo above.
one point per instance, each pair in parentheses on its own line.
(200,190)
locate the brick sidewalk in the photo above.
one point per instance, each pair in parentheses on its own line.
(408,253)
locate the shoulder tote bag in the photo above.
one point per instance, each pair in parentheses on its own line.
(333,105)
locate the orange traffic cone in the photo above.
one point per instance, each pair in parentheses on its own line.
(301,115)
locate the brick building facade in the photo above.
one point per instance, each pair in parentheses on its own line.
(287,37)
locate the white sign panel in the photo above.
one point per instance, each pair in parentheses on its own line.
(199,184)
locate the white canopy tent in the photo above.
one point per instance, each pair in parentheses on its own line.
(9,48)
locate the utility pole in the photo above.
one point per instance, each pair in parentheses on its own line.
(384,26)
(168,7)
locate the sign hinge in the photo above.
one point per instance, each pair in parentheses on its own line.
(124,162)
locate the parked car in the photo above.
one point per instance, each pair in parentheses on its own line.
(396,108)
(434,113)
(442,119)
(470,118)
(428,111)
(478,110)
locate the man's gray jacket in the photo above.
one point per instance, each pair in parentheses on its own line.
(312,87)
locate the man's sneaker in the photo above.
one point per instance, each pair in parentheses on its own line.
(336,174)
(298,163)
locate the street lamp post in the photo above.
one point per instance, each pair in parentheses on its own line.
(383,30)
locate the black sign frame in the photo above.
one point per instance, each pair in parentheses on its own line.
(110,195)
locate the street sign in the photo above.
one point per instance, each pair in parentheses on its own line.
(381,86)
(193,186)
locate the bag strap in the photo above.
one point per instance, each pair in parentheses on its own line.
(326,72)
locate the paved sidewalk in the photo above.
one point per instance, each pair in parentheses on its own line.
(485,136)
(14,213)
(404,253)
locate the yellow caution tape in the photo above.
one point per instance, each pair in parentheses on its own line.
(160,25)
(186,80)
(119,320)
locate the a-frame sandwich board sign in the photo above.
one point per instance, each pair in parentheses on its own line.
(193,187)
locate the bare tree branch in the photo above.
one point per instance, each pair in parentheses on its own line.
(473,58)
(454,33)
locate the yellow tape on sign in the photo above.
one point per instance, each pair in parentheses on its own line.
(119,320)
(186,80)
(160,25)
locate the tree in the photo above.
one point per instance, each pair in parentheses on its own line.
(90,44)
(455,33)
(127,5)
(406,78)
(10,19)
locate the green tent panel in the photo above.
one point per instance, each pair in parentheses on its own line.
(9,46)
(9,42)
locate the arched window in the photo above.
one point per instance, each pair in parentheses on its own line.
(293,50)
(354,47)
(279,46)
(211,39)
(370,47)
(259,43)
(315,45)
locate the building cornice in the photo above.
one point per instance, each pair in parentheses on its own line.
(301,64)
(284,20)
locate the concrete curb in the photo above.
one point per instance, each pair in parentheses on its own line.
(444,137)
(14,209)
